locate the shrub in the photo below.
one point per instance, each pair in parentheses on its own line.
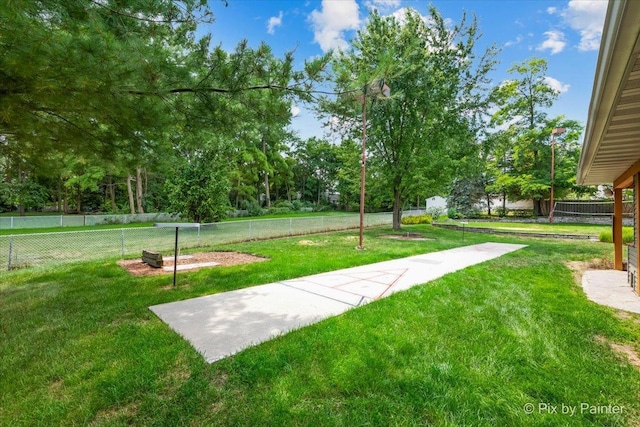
(522,213)
(435,212)
(454,214)
(296,205)
(417,219)
(283,204)
(277,211)
(252,207)
(321,208)
(502,212)
(627,235)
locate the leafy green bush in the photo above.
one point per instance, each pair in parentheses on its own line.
(454,214)
(627,235)
(252,207)
(521,213)
(417,219)
(284,204)
(277,211)
(435,212)
(321,208)
(296,205)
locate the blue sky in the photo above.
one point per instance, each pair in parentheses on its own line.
(566,33)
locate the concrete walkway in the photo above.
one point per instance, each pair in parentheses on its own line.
(610,288)
(223,324)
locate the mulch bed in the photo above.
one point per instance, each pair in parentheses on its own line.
(138,268)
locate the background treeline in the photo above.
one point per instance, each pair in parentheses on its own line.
(117,106)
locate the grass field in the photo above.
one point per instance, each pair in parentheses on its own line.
(476,347)
(294,214)
(559,228)
(17,231)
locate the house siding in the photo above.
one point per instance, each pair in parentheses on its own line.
(632,259)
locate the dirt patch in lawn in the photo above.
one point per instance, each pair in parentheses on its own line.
(623,350)
(138,268)
(579,267)
(405,236)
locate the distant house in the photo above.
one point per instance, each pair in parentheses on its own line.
(436,202)
(611,149)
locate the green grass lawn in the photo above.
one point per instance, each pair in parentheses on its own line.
(14,231)
(293,214)
(79,345)
(560,228)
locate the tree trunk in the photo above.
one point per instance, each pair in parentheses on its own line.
(112,193)
(304,188)
(238,197)
(266,175)
(397,210)
(139,190)
(20,180)
(132,207)
(65,203)
(59,201)
(488,205)
(79,201)
(537,207)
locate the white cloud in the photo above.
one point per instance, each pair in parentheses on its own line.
(554,42)
(295,110)
(556,85)
(274,21)
(512,42)
(382,4)
(401,14)
(552,10)
(330,23)
(587,18)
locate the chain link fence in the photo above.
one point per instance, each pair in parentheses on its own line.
(31,250)
(52,221)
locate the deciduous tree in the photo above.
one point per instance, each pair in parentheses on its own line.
(437,86)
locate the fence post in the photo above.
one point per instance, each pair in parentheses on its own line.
(199,235)
(10,252)
(11,223)
(61,219)
(122,240)
(290,231)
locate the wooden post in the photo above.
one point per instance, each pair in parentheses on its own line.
(636,228)
(617,228)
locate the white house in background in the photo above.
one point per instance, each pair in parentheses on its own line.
(436,202)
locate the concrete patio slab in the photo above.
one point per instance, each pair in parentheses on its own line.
(610,288)
(223,324)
